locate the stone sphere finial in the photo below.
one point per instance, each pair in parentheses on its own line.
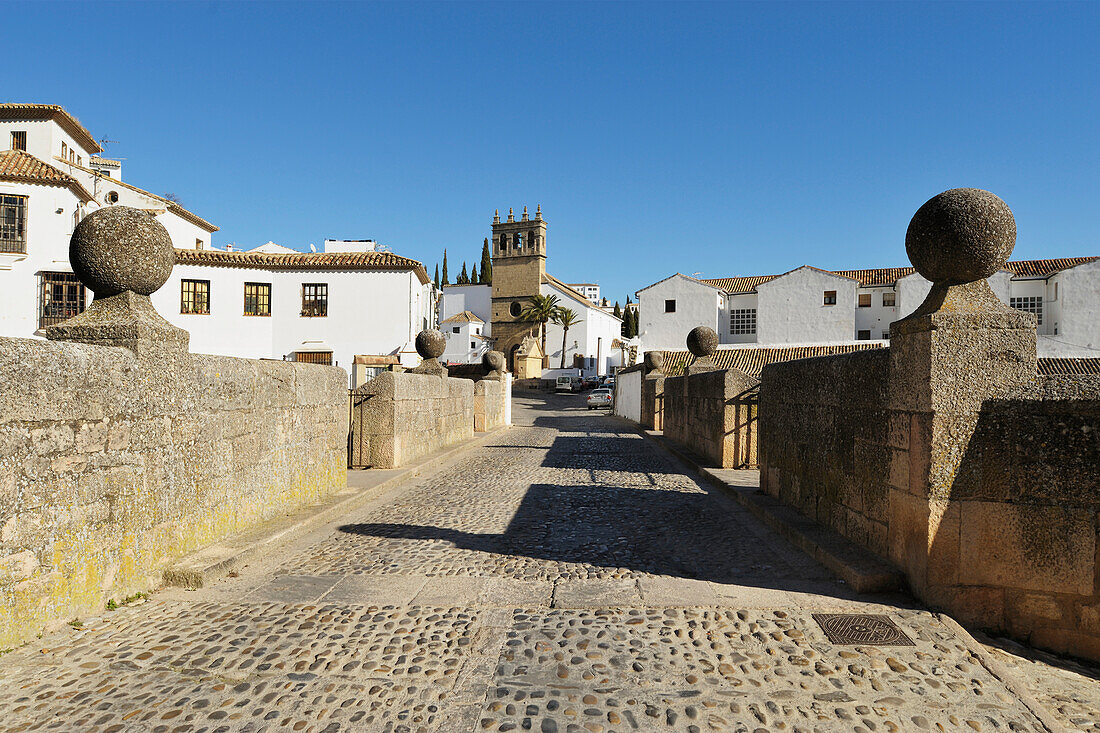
(654,361)
(430,344)
(960,236)
(118,249)
(493,361)
(702,341)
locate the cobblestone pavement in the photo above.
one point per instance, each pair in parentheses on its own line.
(567,577)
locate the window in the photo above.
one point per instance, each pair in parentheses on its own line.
(79,160)
(257,299)
(864,300)
(314,300)
(503,242)
(112,197)
(885,335)
(72,155)
(473,344)
(64,151)
(198,243)
(314,357)
(743,321)
(455,329)
(830,297)
(62,298)
(519,240)
(515,309)
(19,140)
(1056,291)
(1029,305)
(864,335)
(888,300)
(195,297)
(13,223)
(670,306)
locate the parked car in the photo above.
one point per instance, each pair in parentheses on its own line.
(599,398)
(566,383)
(608,382)
(589,383)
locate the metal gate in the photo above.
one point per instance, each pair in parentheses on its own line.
(358,439)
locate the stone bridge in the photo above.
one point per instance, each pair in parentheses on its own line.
(566,574)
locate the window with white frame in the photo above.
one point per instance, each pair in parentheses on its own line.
(1030,305)
(743,321)
(888,299)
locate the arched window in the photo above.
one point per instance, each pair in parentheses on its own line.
(531,240)
(503,242)
(519,240)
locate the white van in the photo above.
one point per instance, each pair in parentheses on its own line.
(568,384)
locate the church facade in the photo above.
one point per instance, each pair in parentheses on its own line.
(519,254)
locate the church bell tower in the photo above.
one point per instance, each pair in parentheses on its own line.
(519,267)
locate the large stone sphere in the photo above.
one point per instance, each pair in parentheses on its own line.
(430,344)
(654,361)
(117,248)
(493,361)
(702,341)
(960,236)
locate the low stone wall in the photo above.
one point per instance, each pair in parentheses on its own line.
(113,466)
(628,393)
(492,403)
(713,414)
(826,437)
(397,418)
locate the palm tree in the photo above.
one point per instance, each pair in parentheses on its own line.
(565,317)
(542,309)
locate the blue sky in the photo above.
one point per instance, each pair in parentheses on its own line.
(724,139)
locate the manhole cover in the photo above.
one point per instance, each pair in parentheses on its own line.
(861,628)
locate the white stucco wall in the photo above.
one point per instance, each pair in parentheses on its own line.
(465,342)
(696,305)
(913,289)
(478,299)
(790,308)
(592,337)
(628,395)
(1079,306)
(741,301)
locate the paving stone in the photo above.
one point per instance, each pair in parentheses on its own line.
(396,590)
(294,589)
(595,593)
(661,591)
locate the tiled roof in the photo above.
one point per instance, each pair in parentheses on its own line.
(108,162)
(890,275)
(17,111)
(463,317)
(1046,268)
(22,167)
(1061,365)
(752,360)
(570,292)
(302,261)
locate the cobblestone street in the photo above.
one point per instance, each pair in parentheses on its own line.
(568,576)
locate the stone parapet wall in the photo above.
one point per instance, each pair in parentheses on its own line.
(397,418)
(492,403)
(112,466)
(653,402)
(713,413)
(825,441)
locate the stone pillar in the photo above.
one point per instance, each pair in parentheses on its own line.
(122,255)
(702,342)
(653,391)
(961,347)
(430,344)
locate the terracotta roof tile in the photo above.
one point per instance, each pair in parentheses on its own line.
(1061,365)
(22,167)
(376,359)
(463,317)
(890,275)
(753,359)
(302,261)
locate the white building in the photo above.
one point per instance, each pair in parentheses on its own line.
(466,340)
(812,306)
(352,299)
(591,291)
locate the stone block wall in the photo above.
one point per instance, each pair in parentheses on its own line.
(397,418)
(653,402)
(826,440)
(113,466)
(713,413)
(492,403)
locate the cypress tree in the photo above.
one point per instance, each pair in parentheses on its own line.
(464,278)
(473,275)
(618,312)
(631,324)
(436,280)
(446,280)
(486,264)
